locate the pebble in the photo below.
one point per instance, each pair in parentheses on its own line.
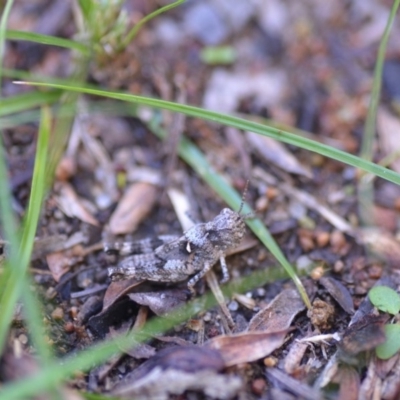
(58,313)
(233,305)
(303,263)
(258,386)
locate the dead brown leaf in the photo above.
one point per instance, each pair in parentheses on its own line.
(72,205)
(117,289)
(161,302)
(134,206)
(381,242)
(177,369)
(365,334)
(339,292)
(294,357)
(279,313)
(246,346)
(60,262)
(273,151)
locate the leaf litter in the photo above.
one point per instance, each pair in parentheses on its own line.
(263,342)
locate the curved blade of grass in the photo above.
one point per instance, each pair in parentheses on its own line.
(365,187)
(370,122)
(7,216)
(33,315)
(237,122)
(133,32)
(196,159)
(86,7)
(24,117)
(25,101)
(3,27)
(48,40)
(12,280)
(57,371)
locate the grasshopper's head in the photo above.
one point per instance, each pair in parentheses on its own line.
(226,230)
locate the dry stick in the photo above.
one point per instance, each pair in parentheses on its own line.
(216,289)
(174,136)
(308,200)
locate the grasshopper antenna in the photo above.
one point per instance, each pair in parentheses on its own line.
(244,196)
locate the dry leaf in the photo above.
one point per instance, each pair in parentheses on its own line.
(246,346)
(279,314)
(161,302)
(365,334)
(117,289)
(177,369)
(339,292)
(380,242)
(294,357)
(349,380)
(273,151)
(134,206)
(72,205)
(391,385)
(60,262)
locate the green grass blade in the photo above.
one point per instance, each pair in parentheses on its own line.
(12,279)
(240,123)
(196,159)
(7,216)
(370,122)
(47,40)
(133,32)
(25,101)
(33,316)
(86,7)
(38,188)
(3,27)
(365,187)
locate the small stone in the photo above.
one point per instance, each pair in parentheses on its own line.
(258,386)
(262,204)
(73,312)
(306,239)
(375,271)
(272,192)
(322,238)
(270,361)
(260,292)
(338,266)
(297,210)
(58,313)
(304,263)
(65,169)
(337,240)
(207,317)
(23,338)
(195,324)
(69,327)
(317,273)
(233,306)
